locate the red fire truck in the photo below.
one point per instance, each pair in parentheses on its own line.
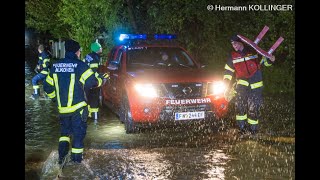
(154,80)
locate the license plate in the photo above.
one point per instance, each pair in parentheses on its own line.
(189,115)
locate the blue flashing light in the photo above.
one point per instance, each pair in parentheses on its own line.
(123,36)
(165,36)
(132,36)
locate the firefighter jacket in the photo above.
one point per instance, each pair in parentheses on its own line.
(44,62)
(93,60)
(68,82)
(245,65)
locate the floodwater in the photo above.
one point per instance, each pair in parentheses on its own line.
(183,152)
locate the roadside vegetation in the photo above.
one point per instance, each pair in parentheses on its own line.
(205,34)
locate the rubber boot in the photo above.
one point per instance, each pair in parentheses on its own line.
(95,119)
(241,124)
(76,157)
(63,151)
(253,129)
(36,94)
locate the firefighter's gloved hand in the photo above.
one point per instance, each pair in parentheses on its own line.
(226,94)
(106,76)
(273,58)
(227,87)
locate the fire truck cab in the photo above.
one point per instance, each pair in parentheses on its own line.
(153,80)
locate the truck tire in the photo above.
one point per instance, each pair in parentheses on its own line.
(125,116)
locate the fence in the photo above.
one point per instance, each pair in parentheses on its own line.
(57,49)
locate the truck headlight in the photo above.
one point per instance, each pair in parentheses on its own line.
(146,90)
(216,88)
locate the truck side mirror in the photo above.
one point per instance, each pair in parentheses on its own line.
(113,65)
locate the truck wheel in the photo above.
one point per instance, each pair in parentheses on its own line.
(125,116)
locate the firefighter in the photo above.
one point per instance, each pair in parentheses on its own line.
(245,64)
(67,84)
(42,70)
(93,61)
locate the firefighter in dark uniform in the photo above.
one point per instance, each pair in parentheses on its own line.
(245,64)
(67,84)
(43,69)
(93,61)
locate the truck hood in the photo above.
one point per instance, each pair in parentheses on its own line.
(171,75)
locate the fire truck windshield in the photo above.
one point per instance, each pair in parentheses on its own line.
(158,57)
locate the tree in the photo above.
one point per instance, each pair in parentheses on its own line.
(87,17)
(206,34)
(42,16)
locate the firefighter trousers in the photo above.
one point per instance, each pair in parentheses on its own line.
(93,101)
(248,105)
(35,80)
(73,129)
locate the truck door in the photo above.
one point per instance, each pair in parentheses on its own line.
(115,68)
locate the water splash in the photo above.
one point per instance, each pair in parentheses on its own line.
(50,166)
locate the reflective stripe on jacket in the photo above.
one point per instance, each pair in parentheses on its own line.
(243,64)
(69,81)
(44,62)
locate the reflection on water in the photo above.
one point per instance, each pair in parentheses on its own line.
(216,164)
(258,160)
(242,159)
(158,163)
(41,127)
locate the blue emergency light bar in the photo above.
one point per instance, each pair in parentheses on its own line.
(132,36)
(165,36)
(144,36)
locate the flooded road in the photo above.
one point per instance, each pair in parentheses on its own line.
(183,152)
